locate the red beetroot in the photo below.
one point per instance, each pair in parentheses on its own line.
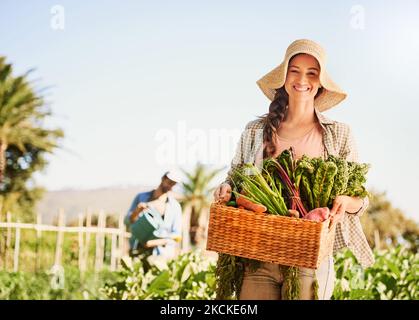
(318,214)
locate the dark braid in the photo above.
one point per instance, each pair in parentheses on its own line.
(277,111)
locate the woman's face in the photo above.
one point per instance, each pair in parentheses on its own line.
(302,80)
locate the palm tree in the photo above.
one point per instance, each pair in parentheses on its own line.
(196,200)
(21,113)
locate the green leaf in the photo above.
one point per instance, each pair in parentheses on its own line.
(160,283)
(393,268)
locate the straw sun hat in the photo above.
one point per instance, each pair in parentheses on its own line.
(275,79)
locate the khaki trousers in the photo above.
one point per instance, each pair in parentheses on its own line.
(266,283)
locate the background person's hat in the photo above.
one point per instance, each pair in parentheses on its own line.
(173,175)
(275,79)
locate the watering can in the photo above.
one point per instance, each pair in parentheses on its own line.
(147,225)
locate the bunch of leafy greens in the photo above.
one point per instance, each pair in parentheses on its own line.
(321,181)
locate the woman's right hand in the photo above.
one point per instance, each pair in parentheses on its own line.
(222,193)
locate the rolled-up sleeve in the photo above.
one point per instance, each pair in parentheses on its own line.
(350,153)
(134,204)
(237,159)
(364,206)
(249,145)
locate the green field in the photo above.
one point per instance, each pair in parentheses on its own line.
(395,275)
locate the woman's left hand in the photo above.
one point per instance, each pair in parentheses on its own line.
(340,204)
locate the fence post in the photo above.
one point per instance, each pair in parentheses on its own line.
(17,248)
(114,253)
(100,241)
(81,243)
(38,242)
(60,238)
(87,245)
(8,239)
(121,238)
(377,239)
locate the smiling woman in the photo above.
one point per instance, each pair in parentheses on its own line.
(302,85)
(299,90)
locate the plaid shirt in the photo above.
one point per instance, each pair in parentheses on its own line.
(338,141)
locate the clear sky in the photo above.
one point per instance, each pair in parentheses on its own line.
(142,86)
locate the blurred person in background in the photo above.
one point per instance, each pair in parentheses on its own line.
(169,230)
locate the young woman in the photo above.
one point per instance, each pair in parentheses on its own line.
(300,89)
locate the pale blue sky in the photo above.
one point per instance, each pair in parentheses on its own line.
(125,72)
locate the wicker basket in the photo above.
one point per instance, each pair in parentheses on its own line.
(270,238)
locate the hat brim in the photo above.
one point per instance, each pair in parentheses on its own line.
(275,79)
(174,176)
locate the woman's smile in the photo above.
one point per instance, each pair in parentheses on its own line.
(300,88)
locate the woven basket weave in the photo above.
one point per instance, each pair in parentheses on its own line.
(270,238)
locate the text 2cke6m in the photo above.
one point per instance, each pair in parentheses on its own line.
(210,309)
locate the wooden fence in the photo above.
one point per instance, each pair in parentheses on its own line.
(119,240)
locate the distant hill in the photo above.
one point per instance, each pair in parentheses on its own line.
(113,200)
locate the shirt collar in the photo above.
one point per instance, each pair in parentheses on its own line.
(322,118)
(168,199)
